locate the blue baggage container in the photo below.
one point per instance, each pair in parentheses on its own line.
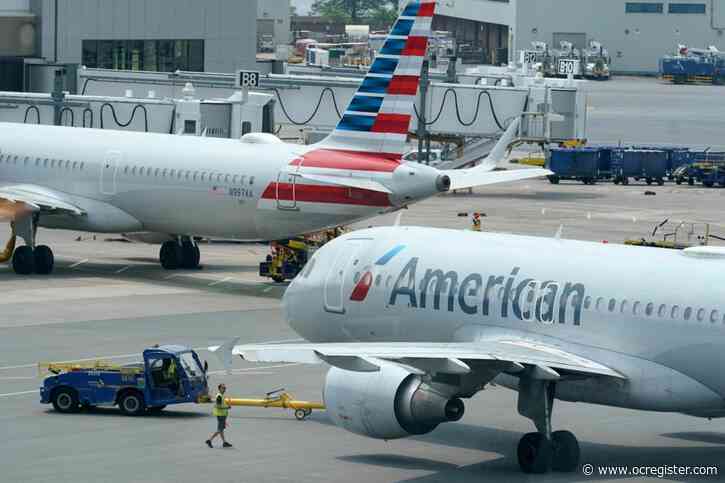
(579,164)
(654,166)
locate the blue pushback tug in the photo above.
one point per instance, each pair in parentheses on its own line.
(169,374)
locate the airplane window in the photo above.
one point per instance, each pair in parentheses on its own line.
(243,179)
(234,179)
(203,176)
(172,173)
(25,162)
(388,280)
(45,163)
(196,174)
(700,315)
(723,319)
(636,308)
(612,305)
(219,177)
(625,307)
(714,316)
(688,313)
(133,171)
(662,312)
(75,164)
(675,314)
(378,279)
(52,163)
(1,158)
(37,161)
(15,160)
(163,173)
(83,165)
(600,304)
(181,174)
(650,309)
(226,178)
(251,180)
(587,302)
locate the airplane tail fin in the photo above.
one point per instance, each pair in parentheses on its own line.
(378,117)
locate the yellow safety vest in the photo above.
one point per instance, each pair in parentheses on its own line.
(220,409)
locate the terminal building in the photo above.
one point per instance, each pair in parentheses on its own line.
(152,35)
(636,34)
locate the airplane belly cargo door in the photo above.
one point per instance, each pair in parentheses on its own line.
(342,271)
(108,172)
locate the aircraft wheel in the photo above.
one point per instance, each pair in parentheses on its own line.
(190,255)
(534,453)
(23,260)
(171,255)
(565,451)
(44,260)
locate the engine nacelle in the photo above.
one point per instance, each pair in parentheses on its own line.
(388,404)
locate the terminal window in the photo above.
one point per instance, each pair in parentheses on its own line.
(149,55)
(687,8)
(644,7)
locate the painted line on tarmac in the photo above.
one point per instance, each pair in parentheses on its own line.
(17,378)
(225,279)
(253,369)
(22,393)
(121,270)
(78,264)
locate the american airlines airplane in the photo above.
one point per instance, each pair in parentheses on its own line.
(410,333)
(257,189)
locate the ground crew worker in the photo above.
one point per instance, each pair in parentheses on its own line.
(221,411)
(476,222)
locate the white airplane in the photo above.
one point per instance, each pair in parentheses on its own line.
(257,189)
(414,319)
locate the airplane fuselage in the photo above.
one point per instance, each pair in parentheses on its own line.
(127,181)
(656,316)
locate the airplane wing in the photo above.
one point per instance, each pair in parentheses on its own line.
(15,199)
(425,357)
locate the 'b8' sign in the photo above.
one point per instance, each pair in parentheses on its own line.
(247,79)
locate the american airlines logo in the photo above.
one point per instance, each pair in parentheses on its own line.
(508,296)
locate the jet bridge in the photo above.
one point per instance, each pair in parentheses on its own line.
(555,109)
(230,117)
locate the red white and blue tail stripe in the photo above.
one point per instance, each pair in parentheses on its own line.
(378,117)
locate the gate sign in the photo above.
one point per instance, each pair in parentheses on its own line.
(247,79)
(529,57)
(567,66)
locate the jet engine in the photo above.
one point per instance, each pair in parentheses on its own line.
(388,404)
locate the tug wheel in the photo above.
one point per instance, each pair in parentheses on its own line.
(301,414)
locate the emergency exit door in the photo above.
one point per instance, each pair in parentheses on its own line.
(109,171)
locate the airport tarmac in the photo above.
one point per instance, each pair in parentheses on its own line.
(109,299)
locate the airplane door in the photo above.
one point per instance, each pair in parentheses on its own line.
(342,270)
(108,173)
(286,193)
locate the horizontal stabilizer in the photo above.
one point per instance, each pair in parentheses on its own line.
(470,178)
(348,181)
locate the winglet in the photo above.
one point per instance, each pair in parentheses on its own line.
(224,353)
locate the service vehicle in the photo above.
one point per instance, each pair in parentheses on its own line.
(169,374)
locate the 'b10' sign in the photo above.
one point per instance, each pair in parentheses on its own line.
(247,79)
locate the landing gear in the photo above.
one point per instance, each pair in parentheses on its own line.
(175,255)
(544,450)
(29,259)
